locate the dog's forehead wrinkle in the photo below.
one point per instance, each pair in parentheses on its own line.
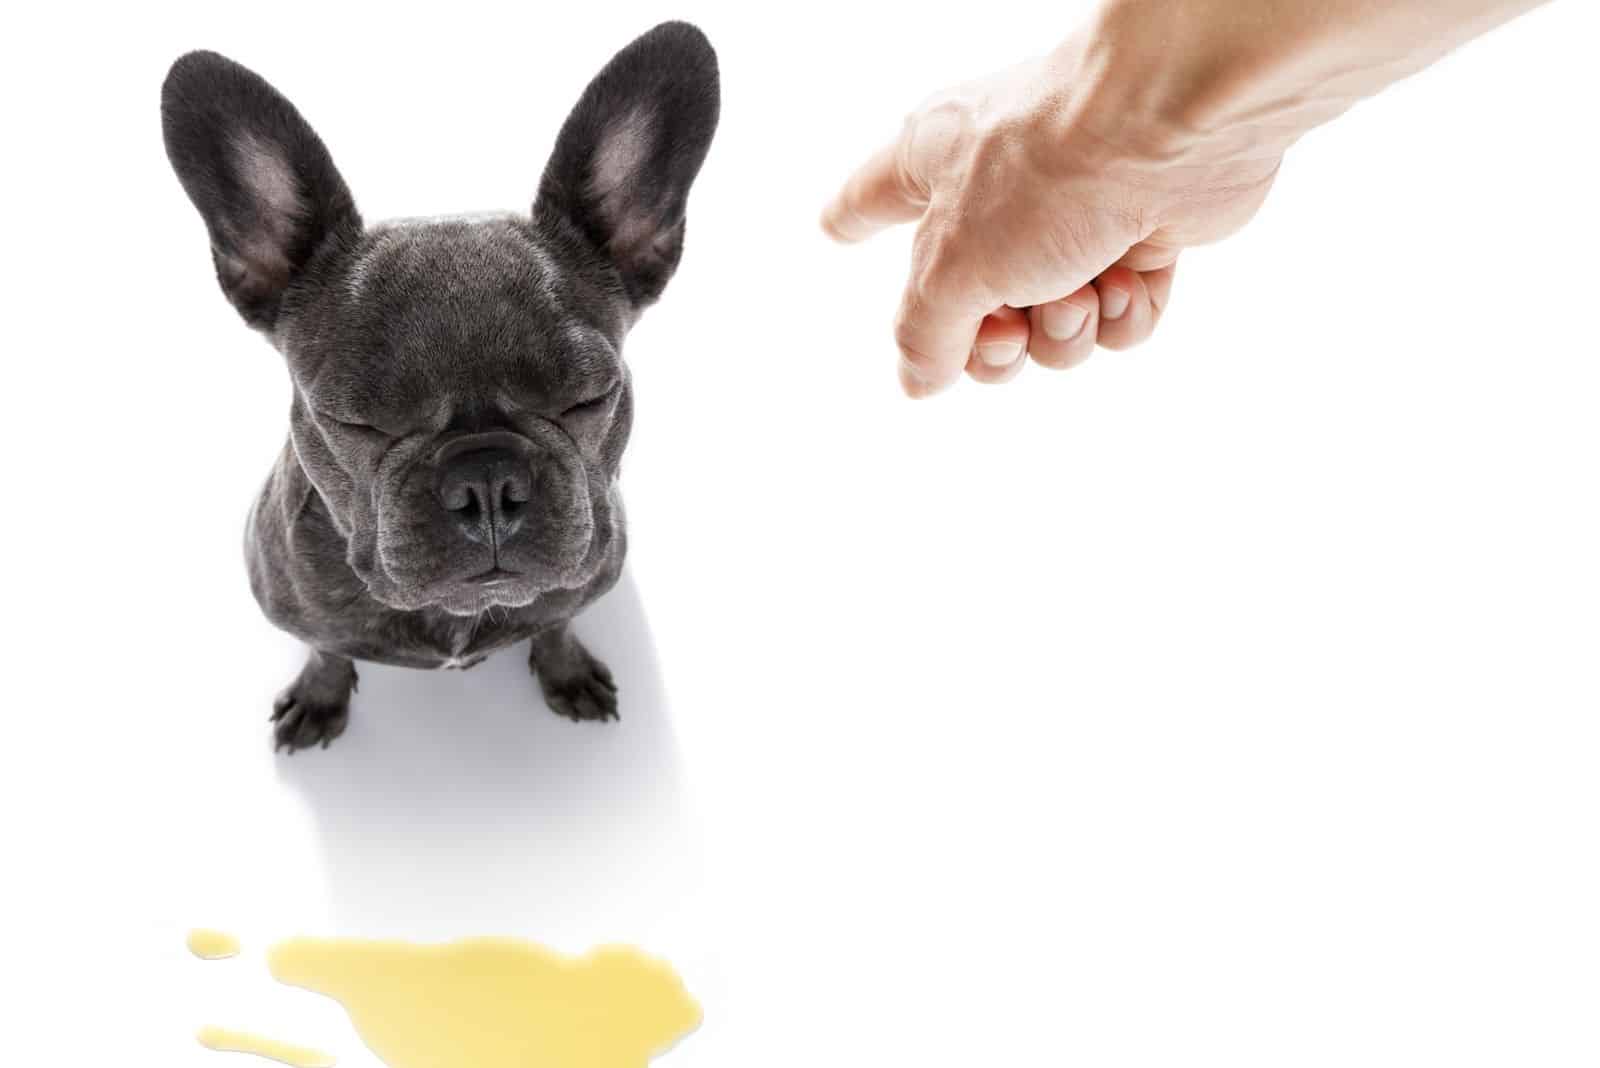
(458,258)
(445,320)
(429,292)
(586,353)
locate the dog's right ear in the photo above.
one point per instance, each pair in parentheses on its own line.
(260,177)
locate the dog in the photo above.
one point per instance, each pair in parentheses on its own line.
(461,405)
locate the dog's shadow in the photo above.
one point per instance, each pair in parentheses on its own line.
(456,802)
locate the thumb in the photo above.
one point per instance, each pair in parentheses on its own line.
(880,194)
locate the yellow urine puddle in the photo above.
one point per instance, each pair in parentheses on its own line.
(239,1042)
(213,945)
(496,1003)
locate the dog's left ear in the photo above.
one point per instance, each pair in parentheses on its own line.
(630,150)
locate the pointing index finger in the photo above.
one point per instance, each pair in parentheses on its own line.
(879,195)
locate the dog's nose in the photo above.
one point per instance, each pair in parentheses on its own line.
(486,492)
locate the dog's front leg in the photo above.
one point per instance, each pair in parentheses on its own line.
(316,707)
(575,684)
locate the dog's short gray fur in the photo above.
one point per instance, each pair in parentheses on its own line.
(413,343)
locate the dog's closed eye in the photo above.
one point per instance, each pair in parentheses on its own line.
(355,426)
(592,406)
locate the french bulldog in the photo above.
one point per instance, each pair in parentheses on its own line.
(460,404)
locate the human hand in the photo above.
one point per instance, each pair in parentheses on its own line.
(1052,202)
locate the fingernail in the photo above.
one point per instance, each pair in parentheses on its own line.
(1063,321)
(999,353)
(1113,302)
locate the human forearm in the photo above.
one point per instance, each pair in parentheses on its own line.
(1256,74)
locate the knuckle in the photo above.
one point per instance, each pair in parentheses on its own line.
(942,271)
(937,132)
(932,267)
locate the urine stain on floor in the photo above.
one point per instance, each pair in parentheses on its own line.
(496,1003)
(213,945)
(239,1042)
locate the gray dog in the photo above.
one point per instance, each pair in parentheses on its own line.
(460,401)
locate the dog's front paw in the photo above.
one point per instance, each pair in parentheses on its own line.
(588,694)
(301,723)
(575,684)
(315,709)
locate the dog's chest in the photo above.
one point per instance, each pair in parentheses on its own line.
(452,642)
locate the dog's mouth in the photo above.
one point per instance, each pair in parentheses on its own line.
(495,577)
(473,598)
(499,587)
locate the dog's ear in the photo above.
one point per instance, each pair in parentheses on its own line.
(629,151)
(258,174)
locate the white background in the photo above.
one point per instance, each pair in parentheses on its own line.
(1232,701)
